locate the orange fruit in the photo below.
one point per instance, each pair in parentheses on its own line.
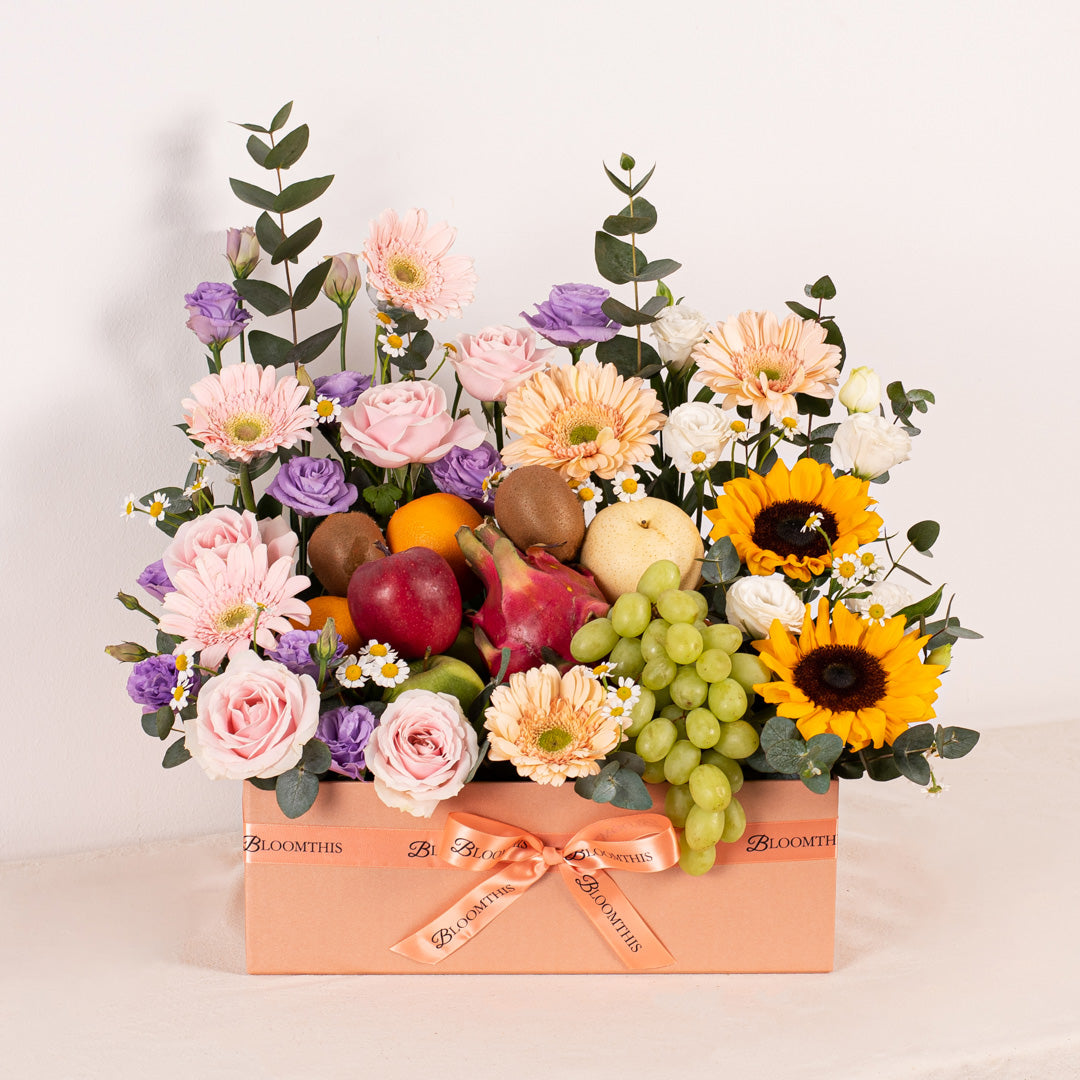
(336,608)
(431,522)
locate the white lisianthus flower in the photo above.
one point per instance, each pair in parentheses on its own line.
(754,602)
(695,435)
(888,596)
(862,391)
(868,445)
(677,330)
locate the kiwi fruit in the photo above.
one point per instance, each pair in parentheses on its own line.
(534,505)
(339,545)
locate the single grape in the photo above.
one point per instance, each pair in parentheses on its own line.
(656,739)
(626,659)
(676,606)
(694,862)
(747,669)
(727,700)
(593,641)
(654,772)
(658,578)
(682,759)
(709,787)
(683,643)
(702,603)
(658,673)
(731,768)
(642,712)
(672,713)
(737,740)
(689,689)
(652,647)
(677,803)
(703,827)
(702,728)
(631,614)
(734,822)
(714,665)
(723,636)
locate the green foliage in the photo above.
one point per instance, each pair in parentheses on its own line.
(904,402)
(382,498)
(252,195)
(955,742)
(616,260)
(297,242)
(626,316)
(787,753)
(721,563)
(311,347)
(268,349)
(281,117)
(289,150)
(622,351)
(923,535)
(176,754)
(639,219)
(296,790)
(921,608)
(616,783)
(909,752)
(268,233)
(308,290)
(316,757)
(822,289)
(301,193)
(264,297)
(257,149)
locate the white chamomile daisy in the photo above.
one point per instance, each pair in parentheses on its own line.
(869,562)
(386,324)
(598,671)
(130,509)
(201,459)
(492,480)
(377,652)
(181,693)
(198,484)
(327,410)
(616,710)
(702,462)
(587,493)
(350,673)
(627,693)
(158,505)
(812,522)
(875,614)
(847,569)
(392,344)
(738,427)
(788,426)
(185,665)
(389,672)
(627,486)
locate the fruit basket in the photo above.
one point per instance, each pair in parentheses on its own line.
(622,609)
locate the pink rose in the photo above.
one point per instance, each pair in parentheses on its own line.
(405,422)
(253,719)
(219,530)
(421,751)
(490,364)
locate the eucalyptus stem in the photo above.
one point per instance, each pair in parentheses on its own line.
(247,492)
(633,263)
(288,276)
(344,331)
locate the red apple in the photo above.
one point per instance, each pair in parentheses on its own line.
(410,600)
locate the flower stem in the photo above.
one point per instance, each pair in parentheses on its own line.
(246,490)
(288,277)
(497,409)
(215,351)
(575,353)
(457,398)
(699,491)
(633,265)
(344,331)
(302,549)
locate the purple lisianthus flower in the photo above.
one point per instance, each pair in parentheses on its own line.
(571,316)
(313,487)
(151,682)
(346,732)
(346,386)
(463,472)
(293,650)
(155,580)
(216,315)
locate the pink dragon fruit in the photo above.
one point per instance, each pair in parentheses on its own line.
(532,600)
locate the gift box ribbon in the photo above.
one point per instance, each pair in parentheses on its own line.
(640,843)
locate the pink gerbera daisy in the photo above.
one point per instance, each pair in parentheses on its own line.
(752,359)
(409,267)
(245,411)
(214,606)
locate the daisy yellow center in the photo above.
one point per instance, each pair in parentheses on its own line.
(178,692)
(181,663)
(394,341)
(246,427)
(738,426)
(846,569)
(129,508)
(776,364)
(586,494)
(353,672)
(629,486)
(779,527)
(867,559)
(406,271)
(841,678)
(553,740)
(378,650)
(624,693)
(156,509)
(390,671)
(617,710)
(324,407)
(877,611)
(385,319)
(232,618)
(697,457)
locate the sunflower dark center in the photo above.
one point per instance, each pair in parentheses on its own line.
(779,528)
(841,678)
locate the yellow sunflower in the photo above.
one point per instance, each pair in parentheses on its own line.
(852,678)
(766,516)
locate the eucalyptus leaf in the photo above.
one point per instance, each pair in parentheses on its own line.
(814,406)
(281,117)
(802,310)
(776,729)
(622,185)
(316,757)
(163,722)
(921,608)
(824,750)
(264,297)
(655,304)
(814,778)
(263,783)
(268,233)
(955,742)
(311,347)
(721,563)
(301,193)
(293,245)
(288,151)
(308,290)
(622,352)
(786,755)
(879,763)
(913,765)
(822,289)
(616,260)
(297,790)
(165,643)
(630,791)
(257,149)
(176,754)
(923,535)
(896,392)
(253,127)
(643,181)
(629,760)
(268,349)
(653,271)
(914,740)
(252,195)
(600,788)
(640,219)
(621,313)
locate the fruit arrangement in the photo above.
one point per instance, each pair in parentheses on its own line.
(361,582)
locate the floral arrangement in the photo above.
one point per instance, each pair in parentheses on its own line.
(365,582)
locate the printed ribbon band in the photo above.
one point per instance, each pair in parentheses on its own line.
(643,843)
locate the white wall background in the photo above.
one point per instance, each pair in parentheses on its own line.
(922,153)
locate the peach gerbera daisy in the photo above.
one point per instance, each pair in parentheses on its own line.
(214,607)
(409,268)
(551,726)
(754,360)
(246,411)
(582,419)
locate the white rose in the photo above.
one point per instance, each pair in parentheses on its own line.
(754,602)
(677,330)
(696,428)
(868,445)
(891,595)
(862,391)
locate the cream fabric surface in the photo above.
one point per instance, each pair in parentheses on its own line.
(956,957)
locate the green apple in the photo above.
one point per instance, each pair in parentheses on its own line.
(443,675)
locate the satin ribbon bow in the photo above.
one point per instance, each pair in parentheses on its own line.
(642,843)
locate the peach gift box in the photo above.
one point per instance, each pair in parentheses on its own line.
(769,906)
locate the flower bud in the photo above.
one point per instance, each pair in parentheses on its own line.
(325,648)
(129,601)
(862,391)
(941,655)
(343,281)
(242,250)
(128,652)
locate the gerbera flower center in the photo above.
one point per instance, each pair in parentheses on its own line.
(775,363)
(579,424)
(583,433)
(842,678)
(553,740)
(406,271)
(232,618)
(246,427)
(779,528)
